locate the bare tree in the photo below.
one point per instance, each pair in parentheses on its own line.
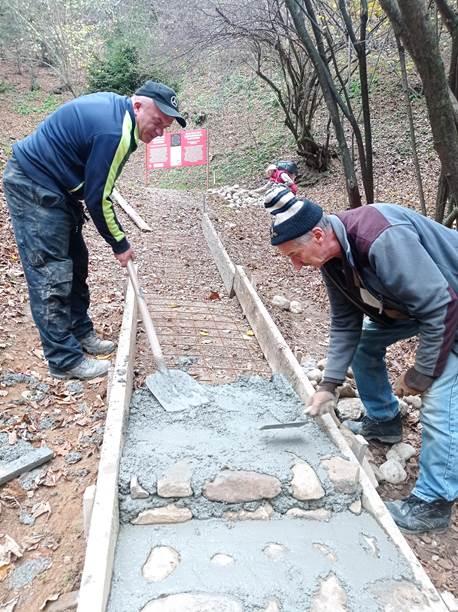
(412,23)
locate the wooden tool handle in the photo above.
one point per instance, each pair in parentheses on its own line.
(147,321)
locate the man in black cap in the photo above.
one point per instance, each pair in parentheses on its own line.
(75,155)
(370,259)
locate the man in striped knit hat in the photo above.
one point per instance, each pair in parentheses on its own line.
(369,258)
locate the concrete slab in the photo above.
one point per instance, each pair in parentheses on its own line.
(32,458)
(286,560)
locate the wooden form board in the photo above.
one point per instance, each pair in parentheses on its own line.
(104,523)
(133,214)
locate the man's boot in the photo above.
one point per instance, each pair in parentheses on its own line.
(413,515)
(96,346)
(85,370)
(388,432)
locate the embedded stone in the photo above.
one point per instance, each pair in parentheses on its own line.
(350,408)
(369,544)
(305,483)
(281,302)
(321,364)
(166,514)
(222,560)
(274,551)
(342,473)
(331,596)
(392,471)
(403,407)
(136,490)
(263,513)
(273,605)
(241,486)
(194,602)
(176,482)
(325,550)
(296,307)
(355,507)
(162,562)
(320,514)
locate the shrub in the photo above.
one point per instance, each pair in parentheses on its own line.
(118,71)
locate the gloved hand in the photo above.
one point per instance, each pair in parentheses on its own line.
(320,403)
(412,383)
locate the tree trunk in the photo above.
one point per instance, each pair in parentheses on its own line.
(351,182)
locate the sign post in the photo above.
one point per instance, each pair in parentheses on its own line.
(178,150)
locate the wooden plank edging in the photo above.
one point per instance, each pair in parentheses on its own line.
(223,262)
(104,524)
(131,212)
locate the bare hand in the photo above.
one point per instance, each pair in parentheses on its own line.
(320,403)
(123,258)
(401,388)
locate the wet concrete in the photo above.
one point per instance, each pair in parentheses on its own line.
(223,434)
(309,551)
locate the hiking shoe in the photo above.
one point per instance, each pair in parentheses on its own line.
(96,346)
(85,370)
(388,432)
(413,515)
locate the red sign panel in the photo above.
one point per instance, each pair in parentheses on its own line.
(177,149)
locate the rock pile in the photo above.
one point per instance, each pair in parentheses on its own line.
(238,197)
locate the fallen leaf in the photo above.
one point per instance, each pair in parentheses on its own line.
(53,597)
(214,295)
(9,549)
(250,332)
(203,332)
(41,508)
(9,605)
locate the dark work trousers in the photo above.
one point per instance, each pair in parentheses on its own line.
(48,230)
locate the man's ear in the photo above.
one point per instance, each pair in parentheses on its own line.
(318,233)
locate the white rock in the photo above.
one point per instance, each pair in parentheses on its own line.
(273,605)
(403,407)
(331,596)
(392,471)
(414,401)
(342,473)
(176,482)
(166,514)
(162,562)
(136,490)
(315,375)
(263,513)
(305,483)
(404,450)
(296,307)
(355,507)
(320,514)
(350,408)
(275,551)
(281,302)
(321,364)
(325,550)
(236,486)
(222,560)
(194,602)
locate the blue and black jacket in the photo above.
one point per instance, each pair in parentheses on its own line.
(80,150)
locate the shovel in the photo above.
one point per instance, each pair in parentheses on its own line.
(174,389)
(292,425)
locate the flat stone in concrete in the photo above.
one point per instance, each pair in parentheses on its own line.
(242,486)
(166,514)
(305,483)
(342,473)
(176,482)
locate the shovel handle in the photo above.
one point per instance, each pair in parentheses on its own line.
(146,317)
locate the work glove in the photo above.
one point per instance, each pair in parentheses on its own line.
(320,403)
(412,383)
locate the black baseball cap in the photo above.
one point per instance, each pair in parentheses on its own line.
(165,98)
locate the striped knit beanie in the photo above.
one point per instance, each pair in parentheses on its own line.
(291,217)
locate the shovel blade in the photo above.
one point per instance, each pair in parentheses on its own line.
(175,390)
(284,425)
